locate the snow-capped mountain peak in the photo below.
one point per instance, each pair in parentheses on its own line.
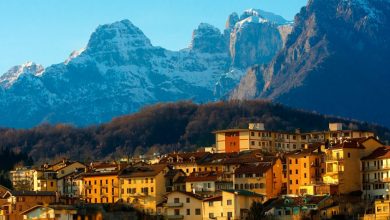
(13,74)
(74,54)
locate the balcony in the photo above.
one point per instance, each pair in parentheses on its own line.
(173,217)
(330,158)
(174,204)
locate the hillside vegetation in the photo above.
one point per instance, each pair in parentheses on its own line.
(162,128)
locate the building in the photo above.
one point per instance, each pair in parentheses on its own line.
(22,178)
(144,186)
(56,212)
(183,205)
(188,162)
(263,178)
(101,183)
(213,208)
(382,210)
(236,203)
(206,182)
(256,137)
(298,207)
(343,163)
(376,174)
(304,168)
(20,201)
(45,180)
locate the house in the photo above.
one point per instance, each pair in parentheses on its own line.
(188,162)
(144,186)
(376,174)
(20,201)
(263,177)
(206,182)
(343,163)
(213,207)
(41,212)
(183,205)
(236,203)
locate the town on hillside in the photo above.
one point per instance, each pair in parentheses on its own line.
(251,173)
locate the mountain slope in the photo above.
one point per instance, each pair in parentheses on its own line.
(120,71)
(335,61)
(164,127)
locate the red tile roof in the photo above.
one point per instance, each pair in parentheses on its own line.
(203,176)
(253,169)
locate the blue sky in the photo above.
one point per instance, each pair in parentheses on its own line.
(47,31)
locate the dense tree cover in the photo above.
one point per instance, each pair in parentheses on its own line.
(163,127)
(8,159)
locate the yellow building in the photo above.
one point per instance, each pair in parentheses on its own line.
(263,178)
(304,167)
(213,208)
(183,205)
(45,180)
(144,186)
(382,209)
(236,203)
(343,163)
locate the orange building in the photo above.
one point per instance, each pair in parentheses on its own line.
(263,178)
(304,168)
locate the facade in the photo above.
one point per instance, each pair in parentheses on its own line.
(213,208)
(101,187)
(263,178)
(236,203)
(343,163)
(183,205)
(144,186)
(257,137)
(376,174)
(22,178)
(206,182)
(304,168)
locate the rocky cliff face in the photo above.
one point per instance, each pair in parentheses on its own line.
(335,61)
(120,71)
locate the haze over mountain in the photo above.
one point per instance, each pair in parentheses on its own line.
(120,71)
(336,61)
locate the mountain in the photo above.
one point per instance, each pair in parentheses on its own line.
(120,71)
(335,61)
(162,128)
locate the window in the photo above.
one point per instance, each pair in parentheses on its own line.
(349,155)
(151,180)
(229,202)
(211,215)
(176,200)
(211,203)
(296,171)
(197,211)
(151,189)
(229,215)
(188,211)
(177,211)
(188,200)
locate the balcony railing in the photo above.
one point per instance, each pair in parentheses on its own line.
(174,204)
(333,158)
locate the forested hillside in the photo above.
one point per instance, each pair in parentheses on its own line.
(161,128)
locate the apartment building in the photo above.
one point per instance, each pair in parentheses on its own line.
(236,203)
(101,183)
(304,168)
(22,178)
(376,174)
(206,182)
(144,186)
(343,163)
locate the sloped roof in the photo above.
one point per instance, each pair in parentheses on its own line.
(260,168)
(142,171)
(379,153)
